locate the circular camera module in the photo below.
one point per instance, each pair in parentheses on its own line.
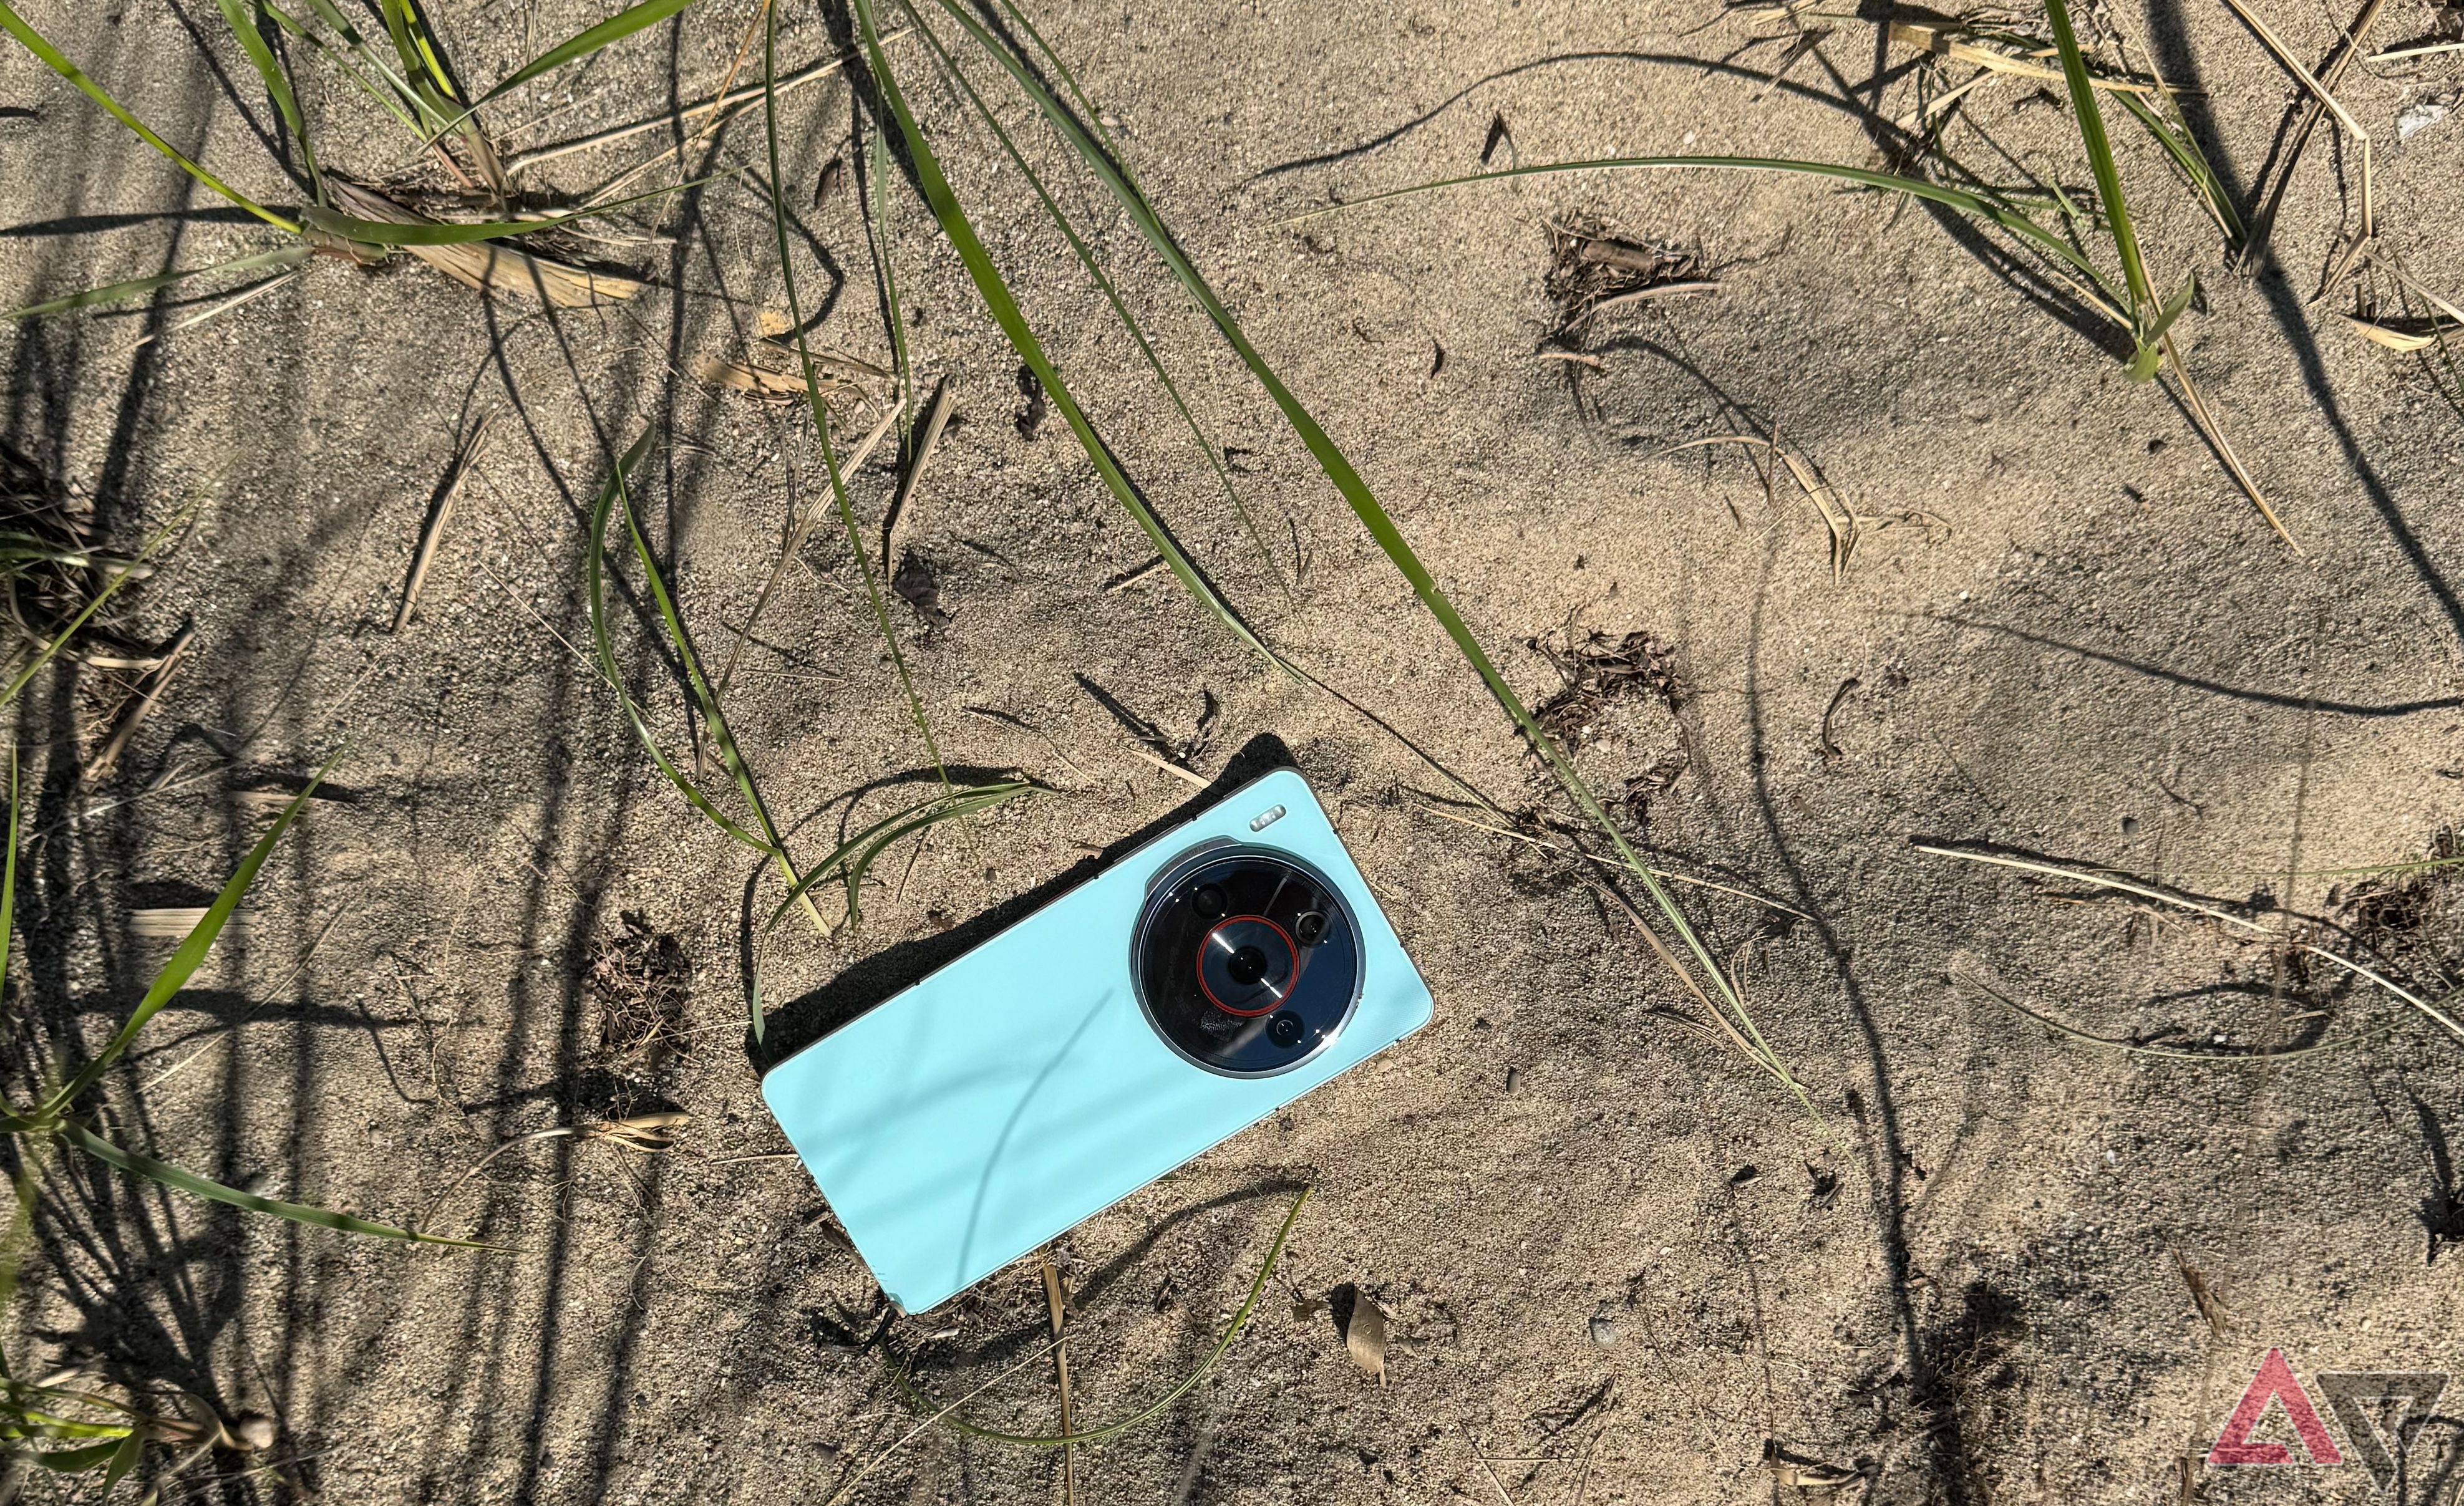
(1247,961)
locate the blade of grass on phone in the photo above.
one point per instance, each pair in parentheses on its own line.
(854,857)
(1347,481)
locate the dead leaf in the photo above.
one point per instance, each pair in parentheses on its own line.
(490,266)
(1792,1470)
(2209,1309)
(2403,340)
(1364,1338)
(738,377)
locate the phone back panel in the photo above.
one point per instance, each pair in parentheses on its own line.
(1020,1089)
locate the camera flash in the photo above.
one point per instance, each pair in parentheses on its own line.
(1266,817)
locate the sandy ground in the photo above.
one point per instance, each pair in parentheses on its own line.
(1614,1259)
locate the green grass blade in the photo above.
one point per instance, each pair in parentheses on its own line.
(139,287)
(820,412)
(2108,178)
(582,44)
(191,954)
(1152,1410)
(1005,308)
(1381,527)
(244,26)
(417,50)
(595,566)
(856,855)
(77,1461)
(85,614)
(882,242)
(195,1186)
(615,497)
(1095,271)
(386,232)
(2185,150)
(122,1460)
(57,61)
(398,97)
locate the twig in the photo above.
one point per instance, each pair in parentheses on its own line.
(927,434)
(2215,437)
(1060,1359)
(465,457)
(2223,917)
(161,679)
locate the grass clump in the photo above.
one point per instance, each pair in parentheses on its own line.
(2091,251)
(342,219)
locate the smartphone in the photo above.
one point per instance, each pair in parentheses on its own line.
(1192,988)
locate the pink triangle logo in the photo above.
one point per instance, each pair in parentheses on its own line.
(2273,1383)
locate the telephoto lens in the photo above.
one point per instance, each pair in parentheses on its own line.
(1247,961)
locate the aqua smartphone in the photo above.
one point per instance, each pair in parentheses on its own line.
(1190,990)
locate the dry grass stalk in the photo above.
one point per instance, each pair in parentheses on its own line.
(795,543)
(490,266)
(1941,42)
(739,376)
(2215,436)
(1060,1314)
(928,436)
(135,716)
(1836,517)
(465,456)
(2324,100)
(2121,886)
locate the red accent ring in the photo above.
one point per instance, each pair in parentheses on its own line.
(1289,950)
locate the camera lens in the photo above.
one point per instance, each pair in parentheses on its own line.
(1245,960)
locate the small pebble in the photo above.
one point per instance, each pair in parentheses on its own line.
(2130,826)
(1513,1079)
(252,1431)
(1603,1331)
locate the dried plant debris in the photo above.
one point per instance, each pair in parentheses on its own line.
(1364,1336)
(1642,789)
(1600,671)
(2415,919)
(490,266)
(642,978)
(51,569)
(1592,270)
(919,584)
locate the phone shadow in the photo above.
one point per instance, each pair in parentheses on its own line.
(806,1018)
